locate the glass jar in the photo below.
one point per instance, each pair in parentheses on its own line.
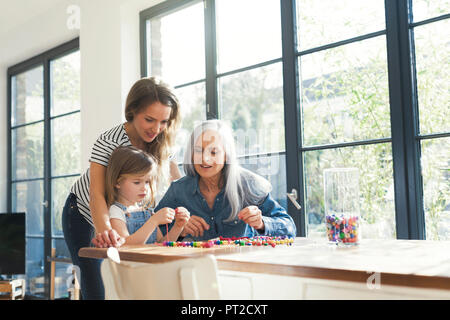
(341,197)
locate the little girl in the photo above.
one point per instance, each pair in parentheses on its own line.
(129,183)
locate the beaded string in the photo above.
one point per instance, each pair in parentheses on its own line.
(241,241)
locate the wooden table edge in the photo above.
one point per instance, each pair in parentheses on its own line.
(393,279)
(100,253)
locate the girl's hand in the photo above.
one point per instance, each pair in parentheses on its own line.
(108,238)
(252,216)
(181,217)
(195,227)
(164,216)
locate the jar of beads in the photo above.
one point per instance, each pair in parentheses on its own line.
(341,197)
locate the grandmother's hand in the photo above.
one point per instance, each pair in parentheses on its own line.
(195,227)
(252,216)
(182,216)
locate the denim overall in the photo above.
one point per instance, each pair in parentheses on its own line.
(136,219)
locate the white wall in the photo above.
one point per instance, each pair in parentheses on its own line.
(110,63)
(109,45)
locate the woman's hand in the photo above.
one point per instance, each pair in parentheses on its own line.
(108,238)
(252,216)
(195,227)
(181,217)
(164,216)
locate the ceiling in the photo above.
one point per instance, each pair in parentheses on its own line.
(17,12)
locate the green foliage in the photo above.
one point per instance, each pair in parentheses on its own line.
(253,102)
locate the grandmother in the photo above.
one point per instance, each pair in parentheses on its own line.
(224,199)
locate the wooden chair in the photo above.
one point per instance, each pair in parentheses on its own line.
(14,289)
(74,292)
(184,279)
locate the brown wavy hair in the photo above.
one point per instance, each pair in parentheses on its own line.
(128,161)
(143,93)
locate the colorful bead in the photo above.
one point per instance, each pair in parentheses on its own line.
(342,229)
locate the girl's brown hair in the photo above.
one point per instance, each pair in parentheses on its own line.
(124,162)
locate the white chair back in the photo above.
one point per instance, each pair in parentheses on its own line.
(184,279)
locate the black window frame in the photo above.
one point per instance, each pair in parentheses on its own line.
(44,59)
(405,137)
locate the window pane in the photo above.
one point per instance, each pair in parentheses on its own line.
(28,197)
(344,93)
(327,21)
(248,32)
(35,266)
(27,152)
(433,81)
(273,168)
(376,187)
(176,46)
(425,9)
(65,84)
(253,102)
(65,139)
(27,96)
(61,248)
(60,191)
(193,111)
(435,161)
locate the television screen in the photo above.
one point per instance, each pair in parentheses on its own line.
(12,243)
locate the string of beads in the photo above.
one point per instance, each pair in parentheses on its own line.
(234,241)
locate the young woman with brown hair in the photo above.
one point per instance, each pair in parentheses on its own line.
(152,117)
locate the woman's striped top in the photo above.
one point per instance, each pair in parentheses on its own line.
(101,152)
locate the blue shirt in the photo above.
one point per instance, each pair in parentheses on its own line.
(185,192)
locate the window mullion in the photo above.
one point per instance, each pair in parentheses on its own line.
(212,109)
(47,168)
(9,147)
(294,163)
(405,148)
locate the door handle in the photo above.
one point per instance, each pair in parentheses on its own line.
(293,197)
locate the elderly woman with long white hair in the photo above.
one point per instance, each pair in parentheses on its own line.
(224,199)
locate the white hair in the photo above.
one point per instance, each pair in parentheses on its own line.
(242,187)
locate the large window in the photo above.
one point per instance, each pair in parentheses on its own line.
(44,157)
(309,85)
